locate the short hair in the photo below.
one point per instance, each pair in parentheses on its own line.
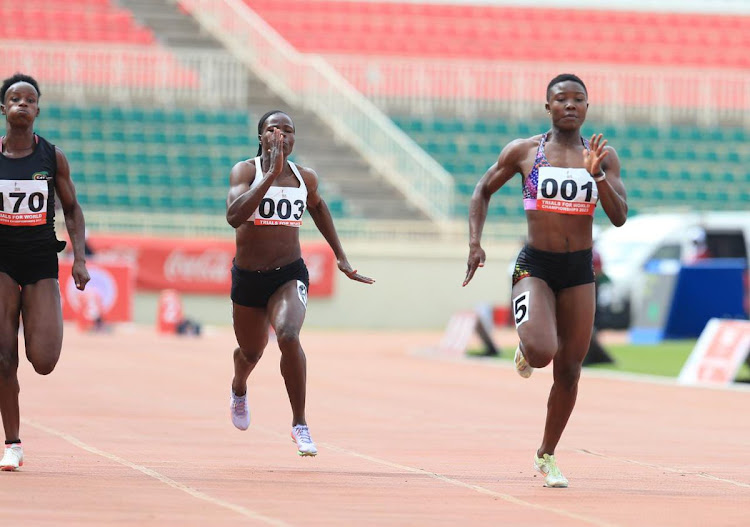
(18,77)
(566,77)
(261,122)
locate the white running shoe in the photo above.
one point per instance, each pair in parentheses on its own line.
(547,466)
(240,411)
(522,367)
(305,445)
(12,458)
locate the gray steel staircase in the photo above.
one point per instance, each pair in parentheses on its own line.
(340,168)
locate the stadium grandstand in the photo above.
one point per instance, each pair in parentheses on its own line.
(400,106)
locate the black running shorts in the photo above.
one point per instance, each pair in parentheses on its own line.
(559,270)
(29,267)
(254,288)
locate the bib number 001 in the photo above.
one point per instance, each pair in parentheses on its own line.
(568,189)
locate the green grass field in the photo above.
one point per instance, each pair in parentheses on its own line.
(664,359)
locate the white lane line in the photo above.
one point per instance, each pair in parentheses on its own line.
(157,476)
(454,482)
(668,469)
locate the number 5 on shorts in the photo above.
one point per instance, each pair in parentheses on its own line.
(521,308)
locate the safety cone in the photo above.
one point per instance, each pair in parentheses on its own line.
(169,313)
(90,310)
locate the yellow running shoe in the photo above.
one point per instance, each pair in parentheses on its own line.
(547,466)
(522,367)
(305,445)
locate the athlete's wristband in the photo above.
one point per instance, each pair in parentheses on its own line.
(601,177)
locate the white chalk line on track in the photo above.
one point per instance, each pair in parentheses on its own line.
(243,511)
(668,469)
(279,523)
(455,482)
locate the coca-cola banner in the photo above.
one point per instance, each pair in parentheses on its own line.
(197,265)
(111,284)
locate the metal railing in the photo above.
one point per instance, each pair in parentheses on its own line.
(660,96)
(312,84)
(124,74)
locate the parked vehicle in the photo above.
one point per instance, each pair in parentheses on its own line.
(671,239)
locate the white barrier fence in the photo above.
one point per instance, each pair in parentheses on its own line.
(130,74)
(660,96)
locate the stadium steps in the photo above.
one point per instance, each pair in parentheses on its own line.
(317,147)
(172,27)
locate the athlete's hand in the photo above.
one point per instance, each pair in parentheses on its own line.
(352,274)
(592,158)
(80,275)
(276,153)
(476,260)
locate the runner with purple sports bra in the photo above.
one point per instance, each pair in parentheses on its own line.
(553,296)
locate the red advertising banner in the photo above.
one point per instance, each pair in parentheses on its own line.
(720,351)
(113,283)
(198,265)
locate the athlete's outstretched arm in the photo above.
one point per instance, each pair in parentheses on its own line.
(602,158)
(321,215)
(74,222)
(506,166)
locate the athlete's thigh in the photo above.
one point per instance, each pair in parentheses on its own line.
(533,308)
(575,320)
(10,310)
(41,311)
(287,307)
(250,327)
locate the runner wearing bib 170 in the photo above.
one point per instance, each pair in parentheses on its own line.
(553,296)
(32,172)
(267,198)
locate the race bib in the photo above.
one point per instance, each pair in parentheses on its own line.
(23,202)
(281,206)
(566,191)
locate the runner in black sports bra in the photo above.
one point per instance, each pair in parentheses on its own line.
(32,173)
(553,295)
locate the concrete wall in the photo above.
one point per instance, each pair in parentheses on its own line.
(418,287)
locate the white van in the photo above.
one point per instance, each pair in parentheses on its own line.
(672,238)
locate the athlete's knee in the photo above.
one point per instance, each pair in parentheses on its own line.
(43,355)
(44,365)
(8,364)
(567,375)
(538,353)
(287,338)
(250,356)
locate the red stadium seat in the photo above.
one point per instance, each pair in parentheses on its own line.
(516,33)
(86,22)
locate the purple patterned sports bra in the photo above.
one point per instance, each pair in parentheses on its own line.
(561,190)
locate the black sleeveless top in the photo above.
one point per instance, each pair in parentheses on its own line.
(27,199)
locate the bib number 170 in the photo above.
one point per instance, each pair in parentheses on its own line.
(16,200)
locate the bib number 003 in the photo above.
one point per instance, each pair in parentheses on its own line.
(283,209)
